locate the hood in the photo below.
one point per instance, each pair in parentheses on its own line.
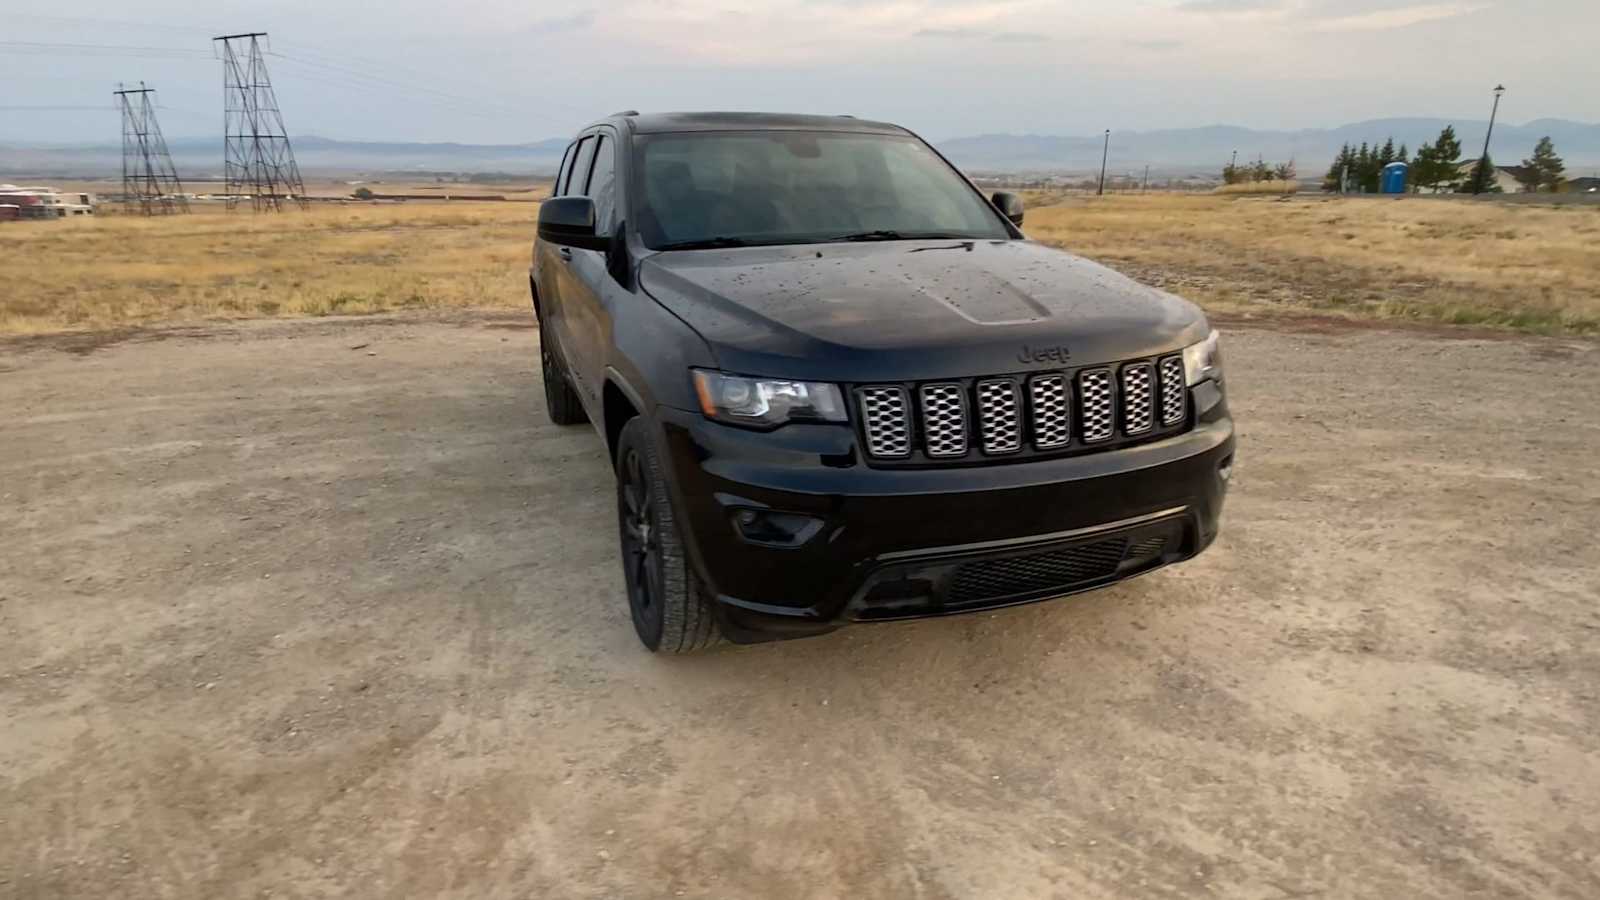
(914,310)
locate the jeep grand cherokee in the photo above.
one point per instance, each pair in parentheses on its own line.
(838,384)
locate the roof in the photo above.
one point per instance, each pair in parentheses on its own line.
(653,123)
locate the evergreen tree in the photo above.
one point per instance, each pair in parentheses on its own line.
(1332,182)
(1423,167)
(1386,155)
(1404,156)
(1435,165)
(1448,145)
(1482,180)
(1544,170)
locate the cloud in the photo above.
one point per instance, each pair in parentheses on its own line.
(1232,6)
(575,22)
(1018,37)
(1154,44)
(980,34)
(1334,15)
(957,33)
(1403,17)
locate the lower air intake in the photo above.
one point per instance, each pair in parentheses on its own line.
(993,580)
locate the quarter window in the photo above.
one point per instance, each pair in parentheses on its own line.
(563,172)
(579,176)
(602,185)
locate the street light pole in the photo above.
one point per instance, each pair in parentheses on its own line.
(1104,152)
(1483,161)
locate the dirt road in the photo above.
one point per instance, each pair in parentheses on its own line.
(328,609)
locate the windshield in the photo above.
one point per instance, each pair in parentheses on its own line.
(729,189)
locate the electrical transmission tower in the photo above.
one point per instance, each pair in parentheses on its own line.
(148,176)
(256,156)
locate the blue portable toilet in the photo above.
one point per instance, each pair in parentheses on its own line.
(1394,178)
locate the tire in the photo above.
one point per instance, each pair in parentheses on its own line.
(670,610)
(560,400)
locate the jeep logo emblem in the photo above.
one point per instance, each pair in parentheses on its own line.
(1056,354)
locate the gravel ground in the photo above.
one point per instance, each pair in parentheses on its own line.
(328,609)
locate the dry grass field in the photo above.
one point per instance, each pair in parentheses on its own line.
(1526,267)
(118,271)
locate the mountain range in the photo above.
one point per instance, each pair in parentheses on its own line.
(1168,152)
(1312,149)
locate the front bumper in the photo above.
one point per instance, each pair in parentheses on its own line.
(899,543)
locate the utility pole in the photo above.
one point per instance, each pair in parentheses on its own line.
(1146,186)
(256,157)
(1104,152)
(147,172)
(1483,161)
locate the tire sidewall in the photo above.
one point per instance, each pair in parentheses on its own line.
(669,610)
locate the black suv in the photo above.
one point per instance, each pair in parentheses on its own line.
(838,384)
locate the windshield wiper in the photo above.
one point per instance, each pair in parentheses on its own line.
(886,234)
(706,243)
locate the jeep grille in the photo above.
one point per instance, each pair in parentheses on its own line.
(1023,416)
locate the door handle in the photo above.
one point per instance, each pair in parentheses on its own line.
(566,254)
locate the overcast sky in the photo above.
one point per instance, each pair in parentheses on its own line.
(501,71)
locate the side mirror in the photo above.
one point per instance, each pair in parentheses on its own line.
(1009,204)
(569,222)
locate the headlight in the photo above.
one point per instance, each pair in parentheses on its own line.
(766,402)
(1203,360)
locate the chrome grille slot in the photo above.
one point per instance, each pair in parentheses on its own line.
(1052,411)
(1138,398)
(1096,405)
(1173,392)
(886,421)
(944,420)
(999,420)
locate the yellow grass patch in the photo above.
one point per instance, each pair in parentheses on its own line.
(127,270)
(1259,187)
(1522,266)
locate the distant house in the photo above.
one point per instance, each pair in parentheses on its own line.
(1510,177)
(1505,177)
(1586,185)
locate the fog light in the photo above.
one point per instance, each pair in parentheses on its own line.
(775,529)
(1225,469)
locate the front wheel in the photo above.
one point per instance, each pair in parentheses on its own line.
(670,610)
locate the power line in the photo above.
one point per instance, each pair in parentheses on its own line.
(49,48)
(519,105)
(378,90)
(115,23)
